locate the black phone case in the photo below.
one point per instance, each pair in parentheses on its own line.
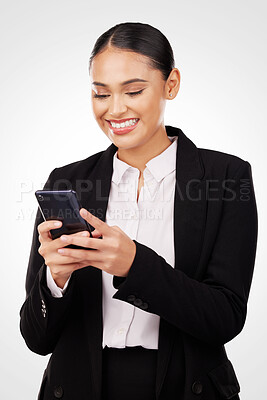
(62,205)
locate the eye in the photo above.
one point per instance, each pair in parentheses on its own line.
(104,96)
(135,93)
(100,96)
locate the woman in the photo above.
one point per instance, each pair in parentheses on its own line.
(147,313)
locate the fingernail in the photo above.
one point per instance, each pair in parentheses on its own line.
(61,251)
(57,223)
(64,238)
(84,234)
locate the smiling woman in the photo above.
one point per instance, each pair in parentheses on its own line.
(134,106)
(143,313)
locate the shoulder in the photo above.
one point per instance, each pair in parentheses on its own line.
(213,163)
(86,163)
(79,169)
(217,163)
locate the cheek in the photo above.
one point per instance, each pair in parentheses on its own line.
(151,107)
(98,108)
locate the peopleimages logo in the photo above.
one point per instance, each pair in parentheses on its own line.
(194,190)
(130,214)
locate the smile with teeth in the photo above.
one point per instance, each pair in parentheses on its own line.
(129,122)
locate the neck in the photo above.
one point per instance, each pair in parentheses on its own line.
(138,156)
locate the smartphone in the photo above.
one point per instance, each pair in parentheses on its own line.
(64,206)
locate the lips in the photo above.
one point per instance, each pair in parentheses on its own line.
(121,120)
(123,125)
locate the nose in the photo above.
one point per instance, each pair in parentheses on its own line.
(117,106)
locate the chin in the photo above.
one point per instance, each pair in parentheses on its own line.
(122,143)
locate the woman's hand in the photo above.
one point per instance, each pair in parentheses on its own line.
(61,268)
(114,253)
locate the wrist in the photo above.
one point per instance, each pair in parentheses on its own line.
(60,281)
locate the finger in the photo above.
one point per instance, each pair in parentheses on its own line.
(44,238)
(79,255)
(55,260)
(82,241)
(96,233)
(97,264)
(81,233)
(45,227)
(101,226)
(116,228)
(80,265)
(56,243)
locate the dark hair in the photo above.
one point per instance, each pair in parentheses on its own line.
(142,39)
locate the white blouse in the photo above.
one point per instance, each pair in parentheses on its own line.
(150,222)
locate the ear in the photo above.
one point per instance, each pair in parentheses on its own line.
(172,85)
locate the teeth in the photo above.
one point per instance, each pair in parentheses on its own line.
(129,122)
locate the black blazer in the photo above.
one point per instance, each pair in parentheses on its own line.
(202,302)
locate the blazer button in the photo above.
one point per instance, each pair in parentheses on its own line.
(138,302)
(58,392)
(144,306)
(131,297)
(197,388)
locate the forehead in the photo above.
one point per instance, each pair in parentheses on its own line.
(120,65)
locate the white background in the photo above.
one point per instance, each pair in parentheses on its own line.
(46,121)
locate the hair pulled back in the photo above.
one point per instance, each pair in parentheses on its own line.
(142,39)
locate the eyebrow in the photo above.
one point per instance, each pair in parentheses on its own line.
(122,84)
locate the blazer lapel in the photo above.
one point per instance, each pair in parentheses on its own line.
(189,206)
(189,221)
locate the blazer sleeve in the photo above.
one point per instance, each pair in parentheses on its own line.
(42,316)
(212,309)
